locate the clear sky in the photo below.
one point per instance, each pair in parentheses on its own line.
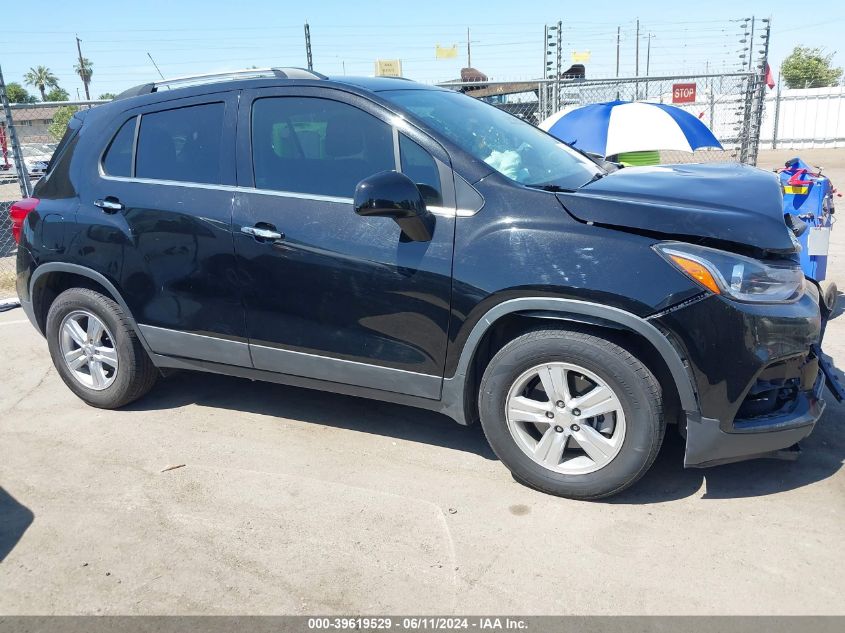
(195,36)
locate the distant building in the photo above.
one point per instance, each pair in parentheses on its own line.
(31,122)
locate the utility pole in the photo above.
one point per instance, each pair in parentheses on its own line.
(469,54)
(20,166)
(751,45)
(83,68)
(559,67)
(637,64)
(760,93)
(308,57)
(545,47)
(618,33)
(648,61)
(637,61)
(553,59)
(777,114)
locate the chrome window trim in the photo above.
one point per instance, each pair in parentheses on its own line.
(436,210)
(397,156)
(135,133)
(230,188)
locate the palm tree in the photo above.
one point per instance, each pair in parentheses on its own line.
(84,70)
(41,78)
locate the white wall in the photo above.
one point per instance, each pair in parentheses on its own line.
(811,118)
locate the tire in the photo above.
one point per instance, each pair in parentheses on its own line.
(829,294)
(134,374)
(629,436)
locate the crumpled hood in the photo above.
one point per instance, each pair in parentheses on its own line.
(722,201)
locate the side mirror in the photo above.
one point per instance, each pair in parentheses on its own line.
(390,194)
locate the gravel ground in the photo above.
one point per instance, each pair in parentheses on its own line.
(290,501)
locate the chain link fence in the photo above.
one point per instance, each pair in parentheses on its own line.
(7,249)
(727,103)
(38,127)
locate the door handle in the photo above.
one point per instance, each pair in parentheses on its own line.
(262,234)
(109,204)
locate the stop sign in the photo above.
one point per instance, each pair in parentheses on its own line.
(683,93)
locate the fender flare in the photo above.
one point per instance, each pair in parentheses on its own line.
(454,388)
(84,271)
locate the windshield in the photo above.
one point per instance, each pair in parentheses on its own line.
(509,145)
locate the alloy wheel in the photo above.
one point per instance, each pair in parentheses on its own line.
(88,350)
(565,418)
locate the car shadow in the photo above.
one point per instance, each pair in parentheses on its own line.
(822,455)
(316,407)
(15,518)
(823,452)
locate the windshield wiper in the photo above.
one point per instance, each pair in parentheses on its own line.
(552,188)
(597,176)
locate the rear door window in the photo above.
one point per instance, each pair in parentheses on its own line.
(183,145)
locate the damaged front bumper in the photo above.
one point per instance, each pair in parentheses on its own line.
(709,444)
(759,374)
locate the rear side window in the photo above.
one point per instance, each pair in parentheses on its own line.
(118,158)
(182,145)
(317,146)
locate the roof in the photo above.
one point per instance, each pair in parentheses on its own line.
(267,76)
(150,93)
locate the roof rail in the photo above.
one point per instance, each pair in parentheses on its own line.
(247,73)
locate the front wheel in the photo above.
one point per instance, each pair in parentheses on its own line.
(830,293)
(571,414)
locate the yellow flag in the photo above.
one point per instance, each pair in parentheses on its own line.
(580,56)
(388,68)
(446,52)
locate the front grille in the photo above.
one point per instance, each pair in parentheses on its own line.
(775,391)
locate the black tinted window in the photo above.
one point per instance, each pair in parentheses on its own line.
(118,158)
(309,145)
(419,166)
(181,144)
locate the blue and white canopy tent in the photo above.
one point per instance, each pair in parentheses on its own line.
(619,127)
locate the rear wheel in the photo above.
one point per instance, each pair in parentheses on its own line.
(571,414)
(96,351)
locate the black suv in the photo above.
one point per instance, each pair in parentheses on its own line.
(386,239)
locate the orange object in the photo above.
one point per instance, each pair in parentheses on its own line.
(697,272)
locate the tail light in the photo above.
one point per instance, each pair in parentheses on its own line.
(18,212)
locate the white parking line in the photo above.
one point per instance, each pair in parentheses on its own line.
(15,322)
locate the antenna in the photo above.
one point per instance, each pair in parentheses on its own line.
(156,65)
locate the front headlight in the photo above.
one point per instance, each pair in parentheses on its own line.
(740,278)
